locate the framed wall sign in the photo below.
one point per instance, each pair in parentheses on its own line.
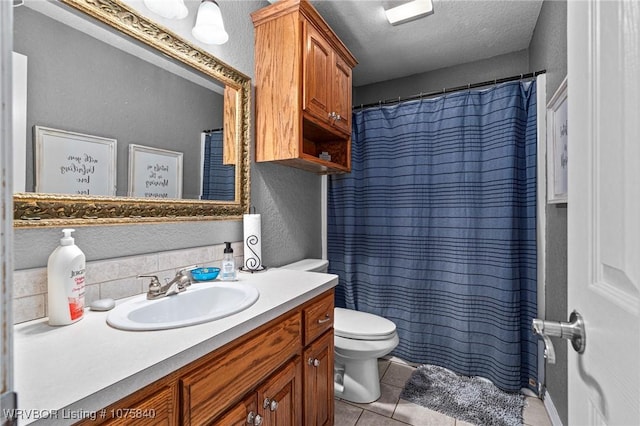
(154,172)
(74,163)
(557,138)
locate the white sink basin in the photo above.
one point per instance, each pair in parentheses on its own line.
(201,302)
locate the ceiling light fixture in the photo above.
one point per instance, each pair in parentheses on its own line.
(209,27)
(170,9)
(409,11)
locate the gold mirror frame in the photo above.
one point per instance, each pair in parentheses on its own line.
(38,209)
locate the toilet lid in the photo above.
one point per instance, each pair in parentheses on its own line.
(361,325)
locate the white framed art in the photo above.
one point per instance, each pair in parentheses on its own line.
(154,172)
(74,163)
(557,140)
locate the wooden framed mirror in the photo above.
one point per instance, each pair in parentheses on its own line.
(32,209)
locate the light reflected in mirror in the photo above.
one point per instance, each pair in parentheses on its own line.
(78,83)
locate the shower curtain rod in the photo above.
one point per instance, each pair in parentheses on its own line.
(452,89)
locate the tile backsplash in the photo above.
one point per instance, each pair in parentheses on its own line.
(113,278)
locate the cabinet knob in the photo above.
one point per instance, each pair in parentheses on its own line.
(271,404)
(332,114)
(338,118)
(313,361)
(254,419)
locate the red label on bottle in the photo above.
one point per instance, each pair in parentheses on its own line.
(76,308)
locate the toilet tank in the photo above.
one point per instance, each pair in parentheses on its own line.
(310,265)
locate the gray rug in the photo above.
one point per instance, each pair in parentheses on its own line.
(470,399)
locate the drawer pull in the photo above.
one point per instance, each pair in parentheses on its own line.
(313,361)
(271,404)
(326,318)
(254,419)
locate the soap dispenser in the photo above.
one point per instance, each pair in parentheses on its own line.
(65,282)
(228,270)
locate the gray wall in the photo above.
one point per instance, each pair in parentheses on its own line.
(475,72)
(68,72)
(548,49)
(288,199)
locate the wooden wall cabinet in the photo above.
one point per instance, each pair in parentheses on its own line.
(280,374)
(303,89)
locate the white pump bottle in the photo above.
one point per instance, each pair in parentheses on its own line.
(65,280)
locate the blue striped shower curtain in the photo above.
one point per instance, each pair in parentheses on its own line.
(218,179)
(435,229)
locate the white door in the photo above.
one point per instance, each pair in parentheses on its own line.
(604,209)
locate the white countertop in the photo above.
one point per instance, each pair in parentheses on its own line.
(67,372)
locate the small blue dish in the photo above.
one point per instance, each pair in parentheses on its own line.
(205,274)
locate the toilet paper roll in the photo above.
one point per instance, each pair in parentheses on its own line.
(252,242)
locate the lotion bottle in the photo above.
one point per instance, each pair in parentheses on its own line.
(228,270)
(65,281)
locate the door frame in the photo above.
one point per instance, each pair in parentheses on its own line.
(7,395)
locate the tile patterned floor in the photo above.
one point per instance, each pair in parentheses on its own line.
(390,410)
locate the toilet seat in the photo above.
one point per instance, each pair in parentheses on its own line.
(358,325)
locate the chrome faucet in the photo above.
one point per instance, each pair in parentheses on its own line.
(178,284)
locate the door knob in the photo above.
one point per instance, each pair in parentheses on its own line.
(572,330)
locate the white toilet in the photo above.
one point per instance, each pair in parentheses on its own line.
(360,339)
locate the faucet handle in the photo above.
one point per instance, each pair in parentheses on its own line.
(154,285)
(187,269)
(184,272)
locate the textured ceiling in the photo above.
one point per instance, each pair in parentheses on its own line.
(458,31)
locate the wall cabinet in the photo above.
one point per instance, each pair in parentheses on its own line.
(280,374)
(303,89)
(327,83)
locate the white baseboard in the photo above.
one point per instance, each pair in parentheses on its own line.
(551,410)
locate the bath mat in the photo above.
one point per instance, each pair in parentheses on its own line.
(471,399)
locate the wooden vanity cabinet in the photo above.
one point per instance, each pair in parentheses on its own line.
(318,382)
(303,89)
(156,404)
(318,361)
(276,402)
(216,382)
(280,374)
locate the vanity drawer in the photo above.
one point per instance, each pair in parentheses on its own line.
(210,389)
(318,316)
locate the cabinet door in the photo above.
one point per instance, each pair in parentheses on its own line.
(281,396)
(318,382)
(341,95)
(243,414)
(317,75)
